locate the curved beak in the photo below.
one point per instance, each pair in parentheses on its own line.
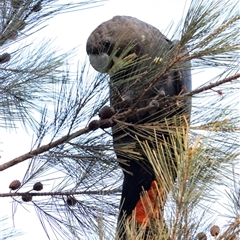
(100,62)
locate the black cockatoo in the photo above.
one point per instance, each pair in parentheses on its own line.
(135,55)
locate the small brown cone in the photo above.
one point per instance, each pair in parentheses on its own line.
(27,197)
(37,7)
(201,236)
(38,186)
(106,123)
(71,201)
(94,124)
(214,230)
(5,57)
(14,185)
(106,112)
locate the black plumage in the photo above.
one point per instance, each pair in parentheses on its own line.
(135,55)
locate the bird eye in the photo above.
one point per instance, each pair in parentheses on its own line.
(106,44)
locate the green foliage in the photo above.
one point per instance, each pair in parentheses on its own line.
(29,73)
(82,164)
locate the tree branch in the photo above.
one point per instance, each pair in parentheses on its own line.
(43,149)
(212,85)
(166,102)
(100,192)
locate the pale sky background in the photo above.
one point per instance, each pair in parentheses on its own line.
(69,31)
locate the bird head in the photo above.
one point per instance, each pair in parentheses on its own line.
(117,39)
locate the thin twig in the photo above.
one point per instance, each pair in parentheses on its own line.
(99,192)
(212,85)
(122,115)
(43,148)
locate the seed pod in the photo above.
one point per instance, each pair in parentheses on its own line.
(37,7)
(14,185)
(214,230)
(38,186)
(27,197)
(71,201)
(106,123)
(201,236)
(106,112)
(94,124)
(5,57)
